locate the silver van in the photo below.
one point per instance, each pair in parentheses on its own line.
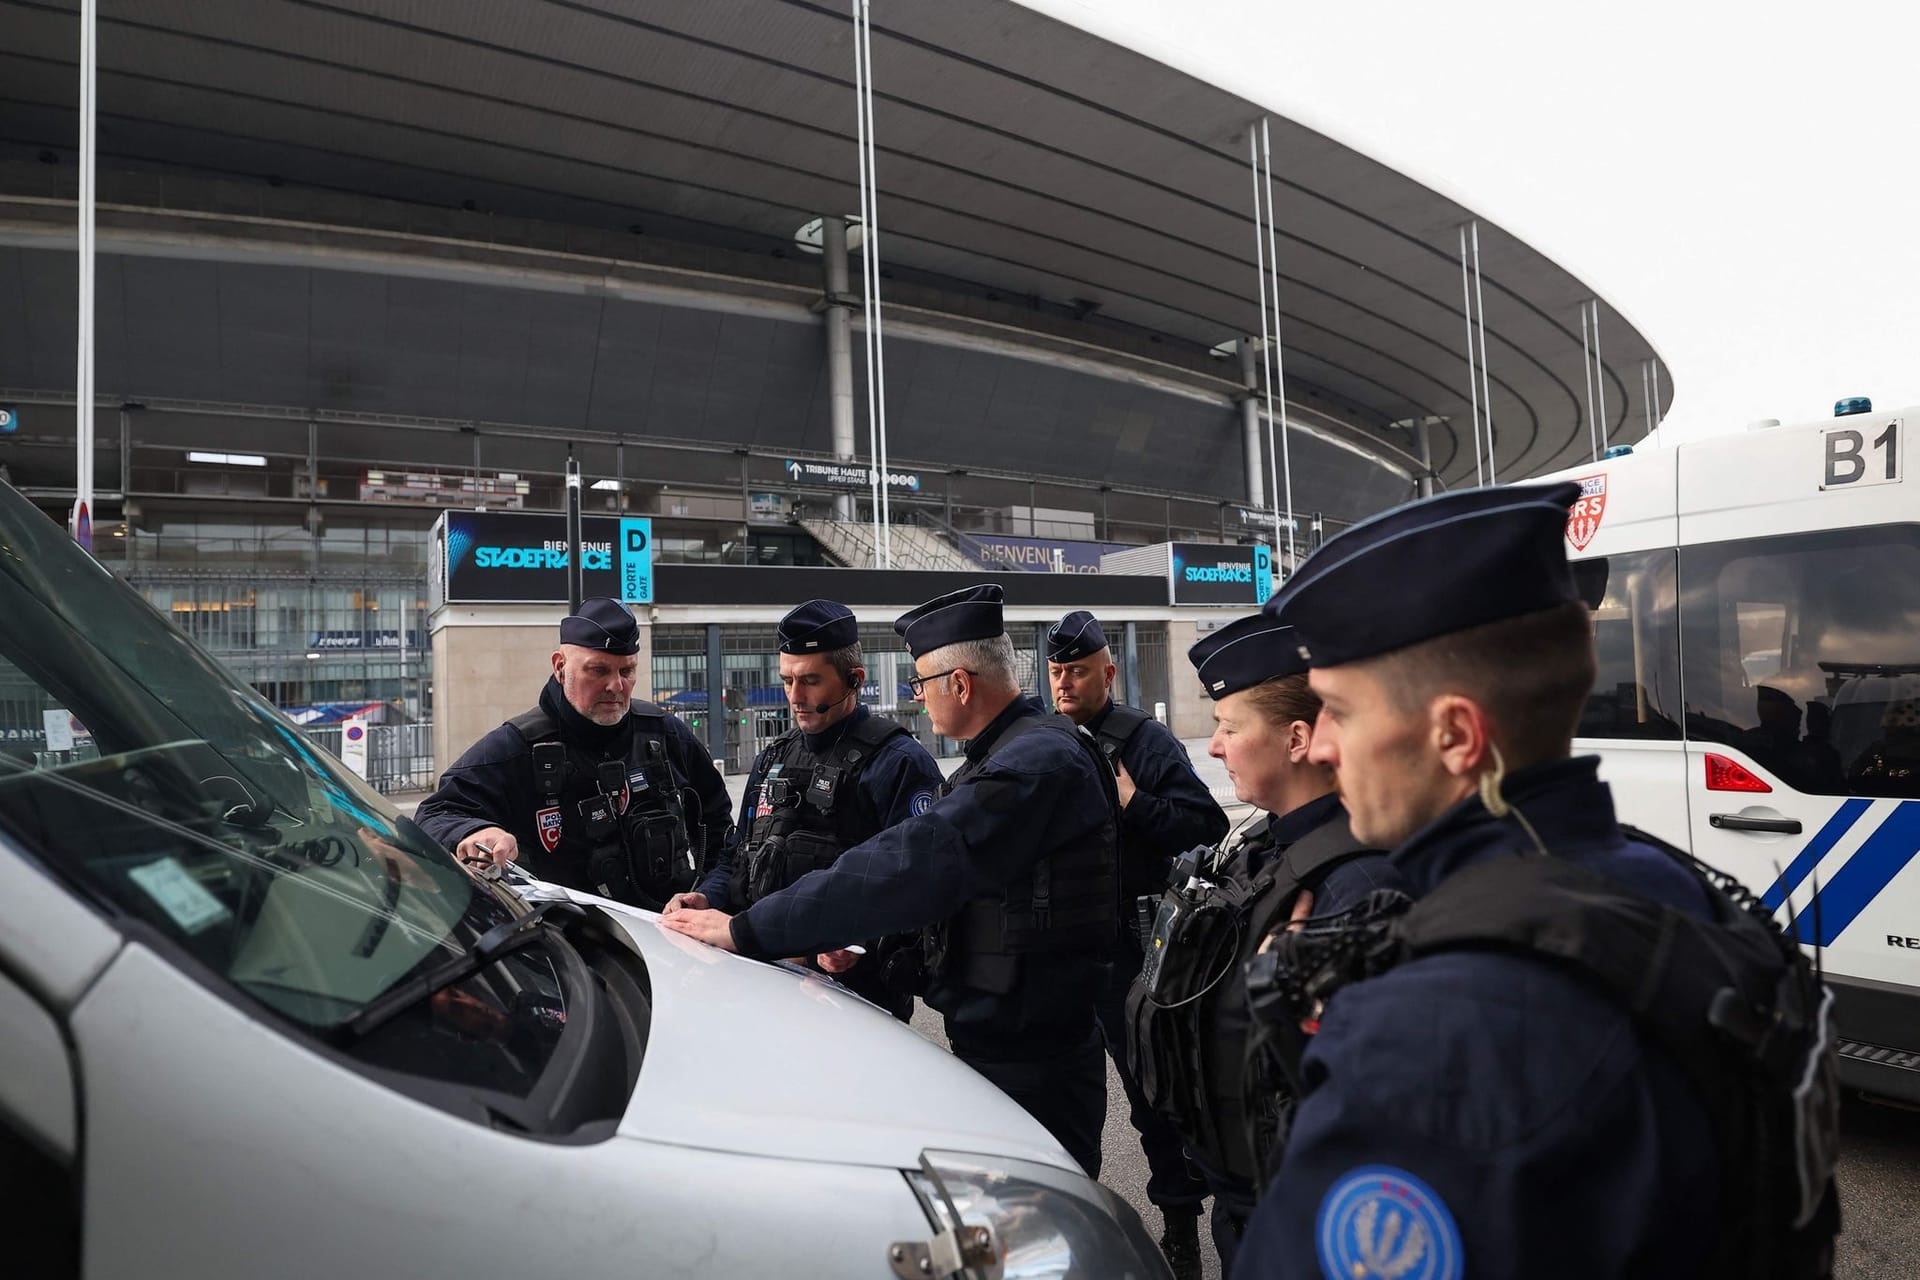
(253,1023)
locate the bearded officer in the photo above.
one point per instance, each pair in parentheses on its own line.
(840,775)
(1165,810)
(1477,1112)
(1013,872)
(591,789)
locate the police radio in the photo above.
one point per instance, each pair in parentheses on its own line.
(1185,888)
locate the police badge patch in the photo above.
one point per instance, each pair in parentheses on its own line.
(921,802)
(547,821)
(1383,1222)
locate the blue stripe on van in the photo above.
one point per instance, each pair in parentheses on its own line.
(1889,849)
(1804,862)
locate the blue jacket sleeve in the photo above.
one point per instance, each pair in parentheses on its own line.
(1483,1116)
(902,780)
(490,785)
(1171,810)
(1033,796)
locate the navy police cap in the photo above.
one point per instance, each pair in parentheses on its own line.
(602,624)
(1246,652)
(1429,569)
(971,613)
(1074,637)
(817,627)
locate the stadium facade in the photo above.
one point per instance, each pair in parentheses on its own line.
(362,261)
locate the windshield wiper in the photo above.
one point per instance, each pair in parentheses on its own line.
(500,941)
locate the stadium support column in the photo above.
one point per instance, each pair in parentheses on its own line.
(1250,426)
(833,256)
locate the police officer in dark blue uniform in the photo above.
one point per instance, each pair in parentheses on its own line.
(1189,1025)
(1165,810)
(1012,873)
(590,789)
(840,775)
(1477,1112)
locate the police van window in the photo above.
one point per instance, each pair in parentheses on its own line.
(1635,638)
(1804,652)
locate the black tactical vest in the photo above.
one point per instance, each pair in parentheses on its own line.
(1069,902)
(1187,1021)
(1732,999)
(807,811)
(618,827)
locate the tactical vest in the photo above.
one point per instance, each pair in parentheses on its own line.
(620,826)
(1732,999)
(1187,1021)
(807,811)
(1068,902)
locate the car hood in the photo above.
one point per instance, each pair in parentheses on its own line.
(767,1060)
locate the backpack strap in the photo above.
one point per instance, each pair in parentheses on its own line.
(1118,728)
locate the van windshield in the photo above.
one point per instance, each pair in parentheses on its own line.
(182,805)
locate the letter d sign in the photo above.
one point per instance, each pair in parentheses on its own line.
(636,560)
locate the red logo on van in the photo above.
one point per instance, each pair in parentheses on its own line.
(1583,518)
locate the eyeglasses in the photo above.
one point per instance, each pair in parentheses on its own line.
(918,684)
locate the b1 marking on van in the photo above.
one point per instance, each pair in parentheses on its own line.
(1583,518)
(1851,457)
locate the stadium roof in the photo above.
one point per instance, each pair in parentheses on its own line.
(1036,183)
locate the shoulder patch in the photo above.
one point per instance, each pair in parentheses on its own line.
(1379,1221)
(921,802)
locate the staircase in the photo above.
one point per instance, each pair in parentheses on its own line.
(851,544)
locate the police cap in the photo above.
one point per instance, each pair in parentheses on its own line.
(1246,652)
(603,624)
(1429,569)
(971,613)
(1074,637)
(818,626)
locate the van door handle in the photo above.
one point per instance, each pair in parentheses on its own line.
(1734,822)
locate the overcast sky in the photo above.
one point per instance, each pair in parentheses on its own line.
(1741,180)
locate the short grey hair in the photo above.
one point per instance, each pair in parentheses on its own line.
(990,661)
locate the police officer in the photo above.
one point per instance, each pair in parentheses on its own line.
(1488,1111)
(838,776)
(1013,872)
(1164,810)
(590,789)
(1190,1025)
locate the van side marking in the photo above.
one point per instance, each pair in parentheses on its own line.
(1804,862)
(1886,852)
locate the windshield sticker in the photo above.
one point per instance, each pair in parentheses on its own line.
(181,896)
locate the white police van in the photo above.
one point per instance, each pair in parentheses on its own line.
(255,1023)
(1758,697)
